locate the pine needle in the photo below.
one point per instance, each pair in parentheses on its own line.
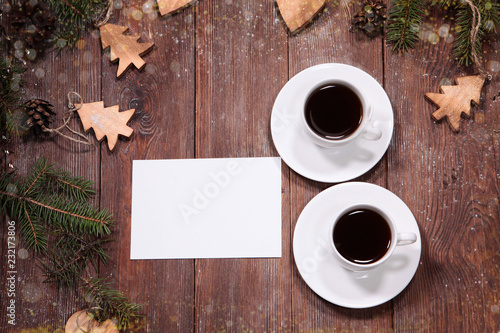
(73,16)
(50,198)
(404,22)
(490,19)
(107,302)
(56,220)
(11,83)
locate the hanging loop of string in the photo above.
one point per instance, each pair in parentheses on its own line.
(78,100)
(103,18)
(476,25)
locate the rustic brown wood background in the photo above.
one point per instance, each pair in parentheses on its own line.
(208,91)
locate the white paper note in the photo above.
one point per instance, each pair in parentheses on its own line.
(206,208)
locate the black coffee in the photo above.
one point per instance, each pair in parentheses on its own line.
(333,111)
(362,236)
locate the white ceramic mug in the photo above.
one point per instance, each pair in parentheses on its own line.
(367,129)
(397,239)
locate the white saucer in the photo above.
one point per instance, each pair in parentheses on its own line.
(312,161)
(320,270)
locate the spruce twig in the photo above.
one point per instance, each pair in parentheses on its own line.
(107,302)
(56,219)
(405,18)
(11,83)
(72,256)
(475,19)
(73,15)
(47,199)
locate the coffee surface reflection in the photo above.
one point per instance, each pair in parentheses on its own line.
(333,111)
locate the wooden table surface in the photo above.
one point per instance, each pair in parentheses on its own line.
(207,92)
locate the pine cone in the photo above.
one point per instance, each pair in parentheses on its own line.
(32,25)
(39,115)
(371,18)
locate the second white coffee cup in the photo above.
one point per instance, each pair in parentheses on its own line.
(363,237)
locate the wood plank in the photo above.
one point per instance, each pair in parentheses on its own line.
(328,40)
(163,96)
(433,171)
(483,147)
(241,64)
(42,306)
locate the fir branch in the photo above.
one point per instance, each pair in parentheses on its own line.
(37,172)
(45,200)
(72,255)
(33,233)
(463,47)
(60,181)
(487,13)
(490,12)
(110,303)
(74,216)
(443,3)
(73,16)
(11,84)
(55,220)
(405,18)
(75,187)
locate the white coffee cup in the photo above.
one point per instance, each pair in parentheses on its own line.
(367,129)
(396,238)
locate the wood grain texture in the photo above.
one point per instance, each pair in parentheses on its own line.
(42,306)
(163,96)
(207,92)
(241,64)
(484,152)
(432,170)
(329,41)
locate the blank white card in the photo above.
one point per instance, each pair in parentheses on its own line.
(206,208)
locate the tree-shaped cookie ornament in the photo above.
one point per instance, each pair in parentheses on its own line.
(297,13)
(106,122)
(171,6)
(456,100)
(125,49)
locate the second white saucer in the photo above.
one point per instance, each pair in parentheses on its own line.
(317,163)
(321,271)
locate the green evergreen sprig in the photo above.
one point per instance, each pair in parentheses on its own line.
(56,220)
(11,83)
(406,16)
(50,199)
(464,47)
(404,22)
(73,16)
(67,264)
(71,256)
(107,302)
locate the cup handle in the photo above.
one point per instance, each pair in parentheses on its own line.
(372,133)
(406,238)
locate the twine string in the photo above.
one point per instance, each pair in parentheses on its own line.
(67,117)
(476,24)
(103,19)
